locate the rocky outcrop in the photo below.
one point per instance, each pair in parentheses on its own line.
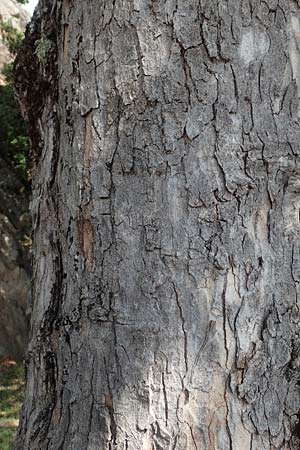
(10,10)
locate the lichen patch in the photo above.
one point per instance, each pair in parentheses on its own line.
(254,45)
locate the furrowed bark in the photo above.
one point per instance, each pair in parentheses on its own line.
(166,215)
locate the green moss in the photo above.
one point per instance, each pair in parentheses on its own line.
(11,398)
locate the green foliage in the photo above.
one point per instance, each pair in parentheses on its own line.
(11,36)
(23,2)
(14,143)
(11,397)
(7,71)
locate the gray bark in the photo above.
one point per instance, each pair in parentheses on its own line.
(166,213)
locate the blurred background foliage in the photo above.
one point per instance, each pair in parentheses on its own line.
(11,36)
(14,150)
(14,142)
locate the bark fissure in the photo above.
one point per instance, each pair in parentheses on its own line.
(183,328)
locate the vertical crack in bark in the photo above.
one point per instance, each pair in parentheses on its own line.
(183,328)
(165,398)
(203,344)
(236,92)
(224,314)
(227,414)
(90,422)
(110,406)
(266,166)
(292,264)
(118,364)
(192,435)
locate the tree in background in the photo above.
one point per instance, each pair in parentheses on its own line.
(14,143)
(166,225)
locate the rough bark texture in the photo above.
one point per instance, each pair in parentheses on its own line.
(166,216)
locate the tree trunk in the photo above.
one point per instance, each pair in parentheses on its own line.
(166,217)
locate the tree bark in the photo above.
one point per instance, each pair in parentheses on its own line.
(166,218)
